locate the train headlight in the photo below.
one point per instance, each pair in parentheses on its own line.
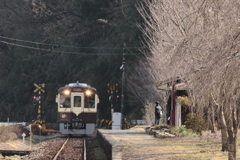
(66,92)
(88,92)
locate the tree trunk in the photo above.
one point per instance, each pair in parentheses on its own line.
(232,145)
(213,129)
(224,139)
(211,118)
(223,131)
(232,132)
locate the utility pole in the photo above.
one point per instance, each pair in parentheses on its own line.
(123,67)
(173,104)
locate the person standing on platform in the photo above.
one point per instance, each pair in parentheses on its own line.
(158,113)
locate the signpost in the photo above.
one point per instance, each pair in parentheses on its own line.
(23,135)
(40,128)
(30,133)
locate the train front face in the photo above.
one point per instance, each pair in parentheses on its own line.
(77,109)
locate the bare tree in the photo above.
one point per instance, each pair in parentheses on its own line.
(199,40)
(140,89)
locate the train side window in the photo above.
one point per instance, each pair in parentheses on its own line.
(64,102)
(77,101)
(89,102)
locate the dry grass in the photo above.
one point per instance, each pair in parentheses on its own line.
(191,148)
(207,147)
(8,133)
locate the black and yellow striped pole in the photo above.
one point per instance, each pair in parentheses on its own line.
(38,98)
(39,104)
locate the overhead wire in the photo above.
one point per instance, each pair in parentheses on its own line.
(57,51)
(48,50)
(66,46)
(131,51)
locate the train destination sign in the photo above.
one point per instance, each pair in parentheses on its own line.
(77,89)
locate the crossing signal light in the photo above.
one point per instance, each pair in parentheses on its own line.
(117,98)
(34,100)
(117,89)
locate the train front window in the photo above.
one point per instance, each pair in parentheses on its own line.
(65,101)
(90,101)
(77,101)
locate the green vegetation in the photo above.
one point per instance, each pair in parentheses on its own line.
(195,123)
(183,100)
(161,126)
(95,149)
(183,131)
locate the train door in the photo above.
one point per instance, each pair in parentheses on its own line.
(77,103)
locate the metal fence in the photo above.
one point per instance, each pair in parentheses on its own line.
(12,123)
(138,122)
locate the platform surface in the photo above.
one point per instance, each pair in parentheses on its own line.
(132,144)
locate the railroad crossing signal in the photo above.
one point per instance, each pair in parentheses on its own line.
(112,88)
(113,93)
(39,87)
(35,99)
(38,97)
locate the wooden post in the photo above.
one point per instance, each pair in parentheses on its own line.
(30,137)
(23,135)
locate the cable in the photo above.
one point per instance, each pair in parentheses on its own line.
(29,47)
(62,45)
(131,51)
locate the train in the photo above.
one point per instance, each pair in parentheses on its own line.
(77,109)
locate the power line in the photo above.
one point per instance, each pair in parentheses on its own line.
(130,50)
(42,49)
(66,46)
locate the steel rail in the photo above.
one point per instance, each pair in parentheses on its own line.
(56,156)
(84,149)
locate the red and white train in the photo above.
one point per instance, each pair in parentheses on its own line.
(77,108)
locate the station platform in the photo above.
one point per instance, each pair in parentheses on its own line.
(130,144)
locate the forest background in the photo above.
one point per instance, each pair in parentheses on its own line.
(63,41)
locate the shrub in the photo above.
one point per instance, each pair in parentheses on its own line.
(4,137)
(184,100)
(195,123)
(11,132)
(12,136)
(161,126)
(183,132)
(15,129)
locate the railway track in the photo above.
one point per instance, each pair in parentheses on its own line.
(59,148)
(73,148)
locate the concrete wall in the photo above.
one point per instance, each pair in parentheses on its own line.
(105,145)
(111,147)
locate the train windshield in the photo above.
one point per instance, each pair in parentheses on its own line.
(65,101)
(90,101)
(77,101)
